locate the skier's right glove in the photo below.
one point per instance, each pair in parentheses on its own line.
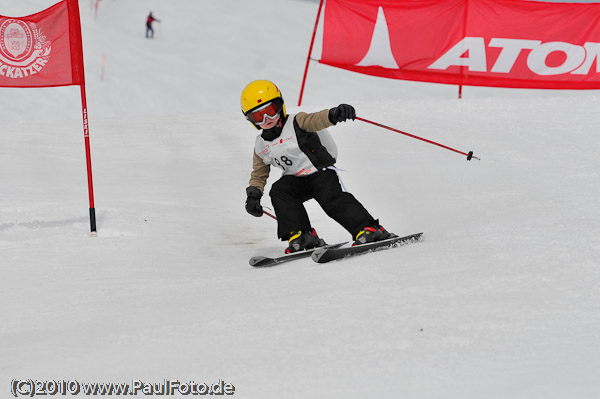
(341,113)
(253,206)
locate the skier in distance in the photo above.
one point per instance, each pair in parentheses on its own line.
(149,29)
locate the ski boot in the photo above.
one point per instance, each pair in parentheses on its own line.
(372,234)
(300,240)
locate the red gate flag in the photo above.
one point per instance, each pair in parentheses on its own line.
(42,49)
(501,43)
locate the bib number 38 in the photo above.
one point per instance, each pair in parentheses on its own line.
(283,161)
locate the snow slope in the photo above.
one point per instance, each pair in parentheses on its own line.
(500,300)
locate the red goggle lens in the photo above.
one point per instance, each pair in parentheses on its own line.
(260,115)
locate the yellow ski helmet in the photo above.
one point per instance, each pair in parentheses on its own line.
(257,94)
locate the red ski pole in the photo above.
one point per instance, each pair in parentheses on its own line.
(469,155)
(269,215)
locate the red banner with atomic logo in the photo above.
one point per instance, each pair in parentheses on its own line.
(502,43)
(42,49)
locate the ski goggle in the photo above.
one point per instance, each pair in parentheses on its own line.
(268,111)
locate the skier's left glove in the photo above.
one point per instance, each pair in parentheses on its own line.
(341,113)
(253,206)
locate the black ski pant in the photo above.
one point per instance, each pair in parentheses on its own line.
(289,193)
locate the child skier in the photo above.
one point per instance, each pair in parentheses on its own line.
(303,148)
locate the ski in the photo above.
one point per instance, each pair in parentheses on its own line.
(323,255)
(264,261)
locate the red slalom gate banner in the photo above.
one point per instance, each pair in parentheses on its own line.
(500,43)
(41,50)
(45,50)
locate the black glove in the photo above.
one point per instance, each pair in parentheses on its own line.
(253,201)
(341,113)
